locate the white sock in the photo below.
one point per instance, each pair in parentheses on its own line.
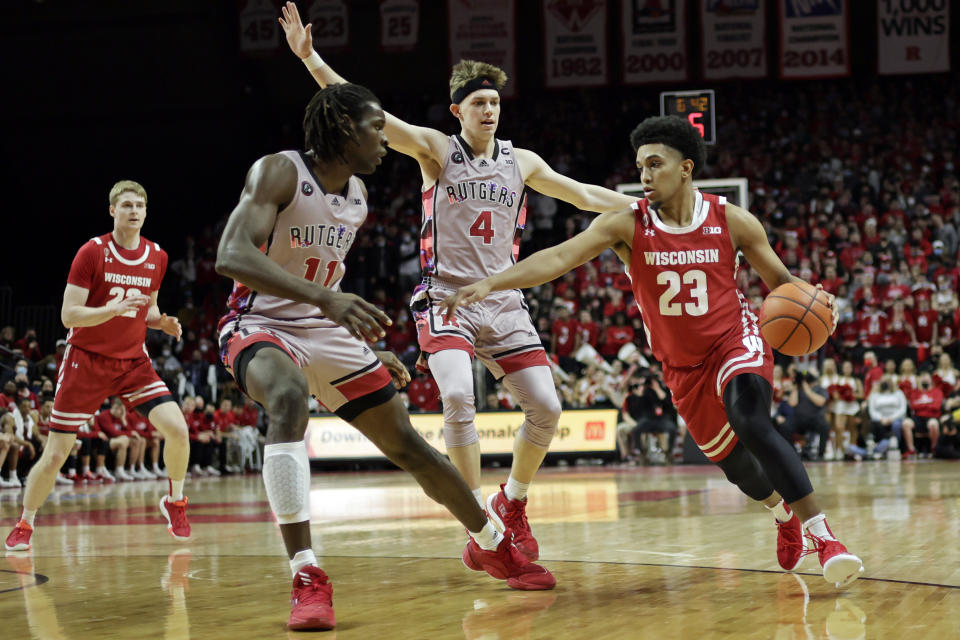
(28,515)
(301,559)
(86,468)
(478,494)
(515,490)
(817,525)
(780,511)
(488,538)
(176,490)
(101,469)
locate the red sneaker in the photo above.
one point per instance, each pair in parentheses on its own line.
(312,600)
(507,563)
(176,514)
(840,567)
(790,541)
(89,477)
(512,514)
(19,538)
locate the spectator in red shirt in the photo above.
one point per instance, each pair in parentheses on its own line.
(901,335)
(831,281)
(120,439)
(925,321)
(29,345)
(872,372)
(897,290)
(588,331)
(424,393)
(563,339)
(873,326)
(926,405)
(615,336)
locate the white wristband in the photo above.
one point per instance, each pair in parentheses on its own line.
(314,62)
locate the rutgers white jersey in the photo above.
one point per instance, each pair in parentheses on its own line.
(473,215)
(310,239)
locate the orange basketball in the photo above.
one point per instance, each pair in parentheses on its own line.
(796,319)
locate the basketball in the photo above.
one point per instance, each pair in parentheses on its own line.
(796,319)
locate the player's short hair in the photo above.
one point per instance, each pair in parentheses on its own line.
(126,185)
(675,133)
(329,117)
(467,71)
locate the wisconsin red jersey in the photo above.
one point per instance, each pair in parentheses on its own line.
(110,273)
(684,281)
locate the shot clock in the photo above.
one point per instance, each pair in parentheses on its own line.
(697,107)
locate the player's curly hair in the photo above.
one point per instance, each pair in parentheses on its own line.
(467,70)
(329,117)
(674,132)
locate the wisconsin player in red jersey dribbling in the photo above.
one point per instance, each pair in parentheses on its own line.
(680,247)
(108,304)
(474,214)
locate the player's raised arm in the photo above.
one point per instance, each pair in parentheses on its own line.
(540,176)
(421,143)
(606,231)
(271,184)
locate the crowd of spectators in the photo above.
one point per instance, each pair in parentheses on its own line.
(856,184)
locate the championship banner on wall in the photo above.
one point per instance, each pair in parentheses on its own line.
(734,39)
(913,36)
(485,30)
(654,41)
(259,29)
(575,38)
(814,39)
(330,438)
(331,30)
(399,24)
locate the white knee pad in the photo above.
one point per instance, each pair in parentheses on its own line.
(535,392)
(286,476)
(454,375)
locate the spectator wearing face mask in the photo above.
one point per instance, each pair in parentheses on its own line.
(887,407)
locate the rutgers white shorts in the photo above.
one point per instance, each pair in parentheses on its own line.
(339,368)
(497,329)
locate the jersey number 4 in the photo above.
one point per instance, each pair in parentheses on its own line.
(313,267)
(482,227)
(674,281)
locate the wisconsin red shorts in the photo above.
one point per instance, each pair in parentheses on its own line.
(86,379)
(698,391)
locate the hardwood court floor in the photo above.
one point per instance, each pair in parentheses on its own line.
(647,554)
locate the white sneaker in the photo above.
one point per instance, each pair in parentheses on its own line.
(62,479)
(147,474)
(105,475)
(6,484)
(212,471)
(14,481)
(121,474)
(160,473)
(197,471)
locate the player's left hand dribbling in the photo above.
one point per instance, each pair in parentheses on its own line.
(834,310)
(398,371)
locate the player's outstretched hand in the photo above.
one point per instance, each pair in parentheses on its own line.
(299,38)
(398,370)
(464,296)
(356,315)
(834,309)
(170,325)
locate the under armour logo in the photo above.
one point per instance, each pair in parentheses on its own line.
(74,365)
(108,259)
(649,232)
(483,163)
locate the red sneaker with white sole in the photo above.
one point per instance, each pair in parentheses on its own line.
(507,563)
(19,538)
(512,514)
(840,567)
(175,511)
(790,541)
(312,600)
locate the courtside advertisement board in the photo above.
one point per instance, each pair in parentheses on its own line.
(330,438)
